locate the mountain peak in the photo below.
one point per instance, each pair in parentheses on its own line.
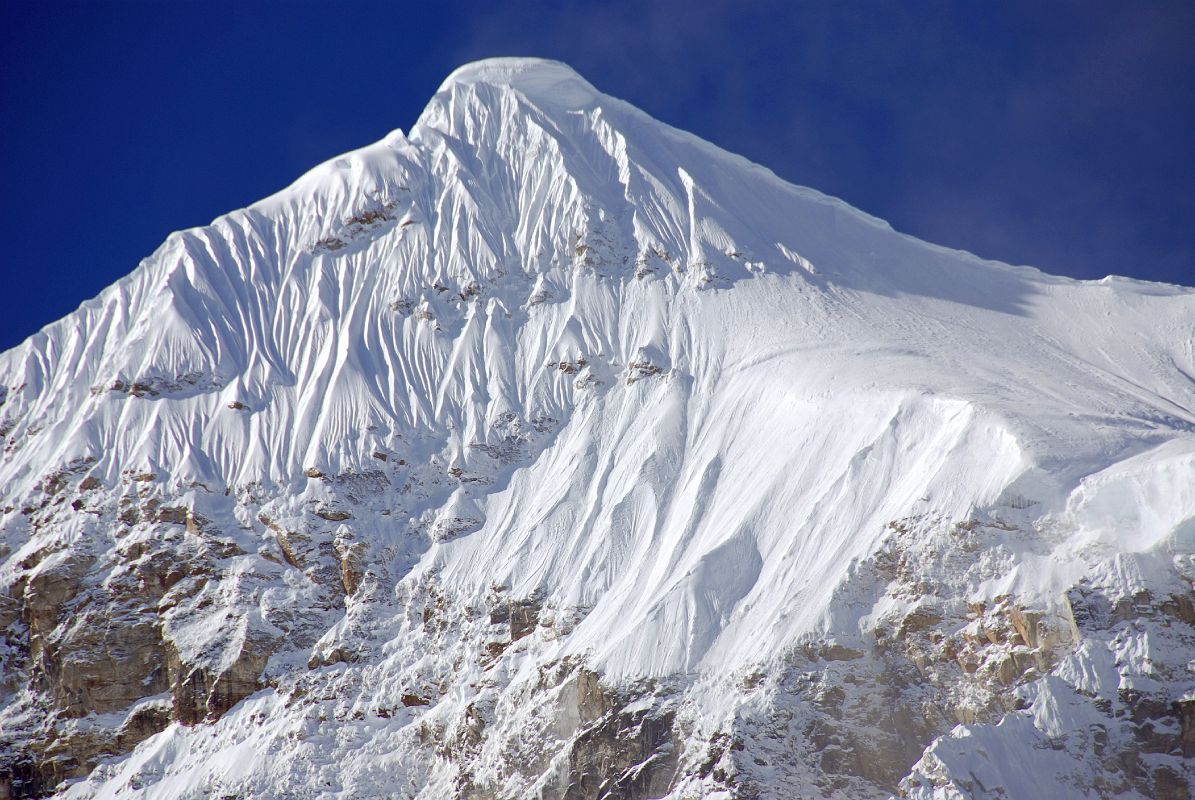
(552,452)
(534,76)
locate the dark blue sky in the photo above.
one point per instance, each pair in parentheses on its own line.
(1055,134)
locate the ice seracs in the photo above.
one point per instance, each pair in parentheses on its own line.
(546,450)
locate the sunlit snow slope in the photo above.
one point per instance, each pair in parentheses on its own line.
(556,349)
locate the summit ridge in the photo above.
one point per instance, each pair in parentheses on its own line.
(515,71)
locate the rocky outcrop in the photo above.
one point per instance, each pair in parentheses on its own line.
(92,657)
(65,749)
(616,752)
(844,717)
(203,693)
(95,666)
(521,616)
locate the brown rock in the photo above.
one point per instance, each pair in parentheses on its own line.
(1185,709)
(47,592)
(524,617)
(201,694)
(1027,624)
(352,568)
(173,515)
(917,620)
(615,753)
(102,667)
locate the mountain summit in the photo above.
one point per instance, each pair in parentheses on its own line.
(549,451)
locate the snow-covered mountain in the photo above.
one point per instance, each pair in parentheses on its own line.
(548,451)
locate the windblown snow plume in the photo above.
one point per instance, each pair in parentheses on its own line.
(546,451)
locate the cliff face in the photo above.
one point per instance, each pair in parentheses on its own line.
(547,451)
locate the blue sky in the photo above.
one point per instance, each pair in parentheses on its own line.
(1055,134)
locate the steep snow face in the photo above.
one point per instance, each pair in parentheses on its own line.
(547,346)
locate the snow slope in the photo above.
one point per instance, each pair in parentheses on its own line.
(546,348)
